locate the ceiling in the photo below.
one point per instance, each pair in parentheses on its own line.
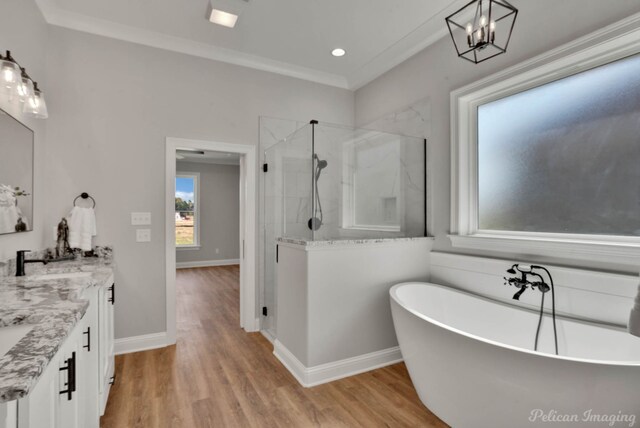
(289,37)
(209,157)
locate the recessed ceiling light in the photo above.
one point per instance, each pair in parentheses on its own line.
(223,18)
(338,52)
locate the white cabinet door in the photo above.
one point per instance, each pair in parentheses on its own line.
(71,387)
(9,414)
(40,408)
(58,397)
(106,296)
(89,410)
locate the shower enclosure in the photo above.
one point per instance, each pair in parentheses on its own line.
(328,183)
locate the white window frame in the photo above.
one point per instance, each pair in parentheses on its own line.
(609,44)
(196,210)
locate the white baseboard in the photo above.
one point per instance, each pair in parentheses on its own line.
(145,342)
(268,336)
(207,263)
(312,376)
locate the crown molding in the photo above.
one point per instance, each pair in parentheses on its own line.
(417,40)
(75,21)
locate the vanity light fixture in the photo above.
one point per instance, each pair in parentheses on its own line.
(482,29)
(338,52)
(17,84)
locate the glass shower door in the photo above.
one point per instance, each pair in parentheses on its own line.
(287,198)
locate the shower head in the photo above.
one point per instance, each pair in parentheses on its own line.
(322,164)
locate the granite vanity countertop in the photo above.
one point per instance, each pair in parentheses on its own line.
(53,307)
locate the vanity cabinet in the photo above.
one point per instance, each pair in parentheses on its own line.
(73,390)
(57,398)
(106,299)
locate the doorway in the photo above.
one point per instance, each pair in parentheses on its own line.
(246,156)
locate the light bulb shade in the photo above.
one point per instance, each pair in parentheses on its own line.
(10,74)
(36,106)
(25,89)
(482,29)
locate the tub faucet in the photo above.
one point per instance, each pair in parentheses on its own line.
(20,262)
(523,282)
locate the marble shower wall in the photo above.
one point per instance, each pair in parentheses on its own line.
(373,185)
(411,121)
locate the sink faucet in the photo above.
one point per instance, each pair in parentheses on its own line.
(20,262)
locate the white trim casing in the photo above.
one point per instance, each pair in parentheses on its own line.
(207,263)
(248,176)
(609,44)
(324,373)
(145,342)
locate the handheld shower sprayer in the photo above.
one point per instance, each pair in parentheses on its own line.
(315,222)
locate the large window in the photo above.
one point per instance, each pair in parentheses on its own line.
(545,155)
(564,157)
(186,213)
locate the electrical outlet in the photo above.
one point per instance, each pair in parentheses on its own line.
(143,235)
(217,250)
(140,219)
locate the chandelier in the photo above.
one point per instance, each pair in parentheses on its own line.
(16,84)
(482,29)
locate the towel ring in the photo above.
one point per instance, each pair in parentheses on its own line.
(84,195)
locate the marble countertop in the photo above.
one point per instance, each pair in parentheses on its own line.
(346,242)
(53,307)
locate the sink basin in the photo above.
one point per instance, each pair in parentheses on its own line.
(11,335)
(68,275)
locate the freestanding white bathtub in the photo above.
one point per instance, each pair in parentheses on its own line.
(472,362)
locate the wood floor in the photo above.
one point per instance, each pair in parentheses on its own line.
(220,376)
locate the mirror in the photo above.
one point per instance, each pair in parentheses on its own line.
(16,176)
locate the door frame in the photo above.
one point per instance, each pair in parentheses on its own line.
(248,176)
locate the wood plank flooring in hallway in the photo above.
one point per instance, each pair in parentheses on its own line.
(219,376)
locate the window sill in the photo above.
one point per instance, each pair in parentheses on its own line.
(619,252)
(187,247)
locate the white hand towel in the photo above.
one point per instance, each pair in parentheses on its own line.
(82,227)
(634,318)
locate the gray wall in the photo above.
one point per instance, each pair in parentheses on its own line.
(113,104)
(436,71)
(219,206)
(24,32)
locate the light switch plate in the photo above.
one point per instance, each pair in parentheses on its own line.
(140,219)
(143,235)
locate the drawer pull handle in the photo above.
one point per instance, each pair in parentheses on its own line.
(70,368)
(88,345)
(112,289)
